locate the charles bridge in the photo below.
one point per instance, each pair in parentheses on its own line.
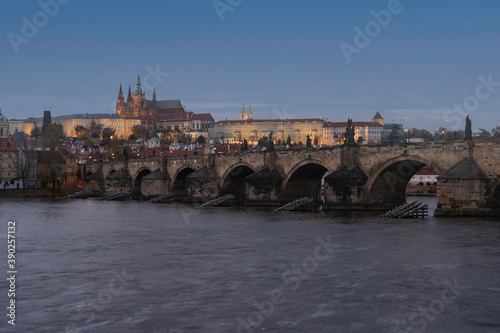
(345,177)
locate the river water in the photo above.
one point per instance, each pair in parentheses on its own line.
(91,266)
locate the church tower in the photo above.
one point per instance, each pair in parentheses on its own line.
(378,119)
(249,114)
(138,98)
(243,113)
(120,104)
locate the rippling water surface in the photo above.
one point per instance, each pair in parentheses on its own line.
(91,266)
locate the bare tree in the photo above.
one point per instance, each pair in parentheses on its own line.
(25,165)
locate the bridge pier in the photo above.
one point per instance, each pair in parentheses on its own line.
(263,187)
(463,191)
(94,183)
(343,189)
(202,185)
(154,184)
(117,182)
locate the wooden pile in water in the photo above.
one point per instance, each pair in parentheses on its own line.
(225,200)
(80,195)
(118,196)
(299,203)
(415,209)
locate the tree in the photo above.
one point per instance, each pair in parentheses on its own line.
(496,132)
(96,131)
(52,135)
(360,140)
(279,143)
(300,143)
(25,165)
(289,141)
(82,132)
(201,140)
(426,135)
(34,132)
(439,134)
(138,131)
(108,132)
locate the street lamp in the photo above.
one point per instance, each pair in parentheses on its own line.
(406,137)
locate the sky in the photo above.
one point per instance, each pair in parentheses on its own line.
(424,63)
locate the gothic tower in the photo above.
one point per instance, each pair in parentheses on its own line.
(120,104)
(129,96)
(138,98)
(243,113)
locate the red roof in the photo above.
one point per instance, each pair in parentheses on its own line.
(224,148)
(168,116)
(355,123)
(378,116)
(167,153)
(309,120)
(6,145)
(203,116)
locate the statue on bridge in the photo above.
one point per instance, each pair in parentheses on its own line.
(308,141)
(270,143)
(468,129)
(349,134)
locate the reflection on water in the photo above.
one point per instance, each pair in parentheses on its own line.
(91,266)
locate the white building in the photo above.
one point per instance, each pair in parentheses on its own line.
(369,131)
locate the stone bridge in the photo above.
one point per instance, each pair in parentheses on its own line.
(347,177)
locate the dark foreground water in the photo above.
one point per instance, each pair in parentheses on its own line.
(90,266)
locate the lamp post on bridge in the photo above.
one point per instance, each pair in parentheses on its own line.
(406,137)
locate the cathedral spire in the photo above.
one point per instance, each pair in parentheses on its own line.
(138,89)
(120,93)
(129,96)
(249,114)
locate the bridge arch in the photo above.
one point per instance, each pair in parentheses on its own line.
(109,172)
(304,178)
(179,180)
(234,179)
(136,184)
(388,183)
(494,198)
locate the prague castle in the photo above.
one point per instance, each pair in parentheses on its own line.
(137,105)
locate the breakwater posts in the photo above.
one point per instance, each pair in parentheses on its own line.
(81,195)
(225,200)
(414,209)
(296,204)
(168,196)
(118,196)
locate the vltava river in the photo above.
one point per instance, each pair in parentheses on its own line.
(91,266)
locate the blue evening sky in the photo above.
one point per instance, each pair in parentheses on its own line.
(281,56)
